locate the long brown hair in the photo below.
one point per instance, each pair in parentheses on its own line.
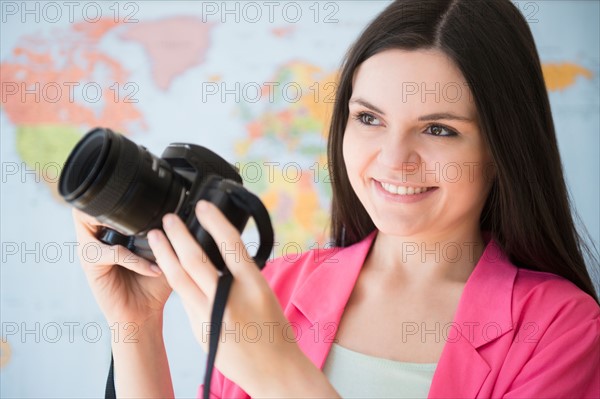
(528,210)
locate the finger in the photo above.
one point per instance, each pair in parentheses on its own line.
(93,253)
(123,257)
(84,217)
(176,276)
(191,256)
(227,237)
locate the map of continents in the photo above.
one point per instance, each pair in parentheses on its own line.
(58,84)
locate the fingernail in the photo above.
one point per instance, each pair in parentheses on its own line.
(155,269)
(152,236)
(202,205)
(168,220)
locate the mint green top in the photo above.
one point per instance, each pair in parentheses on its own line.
(356,375)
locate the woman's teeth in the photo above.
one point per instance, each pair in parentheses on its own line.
(403,190)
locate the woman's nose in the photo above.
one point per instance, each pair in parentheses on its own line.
(398,152)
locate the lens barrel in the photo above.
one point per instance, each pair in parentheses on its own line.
(120,183)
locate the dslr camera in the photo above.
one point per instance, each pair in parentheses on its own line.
(129,189)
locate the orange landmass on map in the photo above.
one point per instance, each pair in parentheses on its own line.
(283,31)
(560,76)
(42,86)
(94,31)
(306,204)
(173,45)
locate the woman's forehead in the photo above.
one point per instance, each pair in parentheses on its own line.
(413,78)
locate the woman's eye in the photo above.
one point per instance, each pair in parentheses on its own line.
(367,119)
(438,130)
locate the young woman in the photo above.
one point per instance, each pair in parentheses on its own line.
(458,271)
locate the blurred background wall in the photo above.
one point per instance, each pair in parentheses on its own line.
(252,81)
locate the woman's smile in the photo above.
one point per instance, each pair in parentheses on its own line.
(402,193)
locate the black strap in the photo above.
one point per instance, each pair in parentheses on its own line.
(216,319)
(251,203)
(110,392)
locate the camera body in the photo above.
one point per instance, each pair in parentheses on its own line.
(129,190)
(206,180)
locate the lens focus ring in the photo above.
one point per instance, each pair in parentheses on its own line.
(115,180)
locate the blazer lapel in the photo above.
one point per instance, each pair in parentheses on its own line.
(460,372)
(483,315)
(318,305)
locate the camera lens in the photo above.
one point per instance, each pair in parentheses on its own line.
(120,183)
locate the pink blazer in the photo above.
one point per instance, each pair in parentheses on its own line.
(517,333)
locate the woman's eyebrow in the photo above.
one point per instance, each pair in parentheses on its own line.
(444,115)
(366,104)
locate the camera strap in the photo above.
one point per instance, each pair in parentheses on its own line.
(216,318)
(251,204)
(110,392)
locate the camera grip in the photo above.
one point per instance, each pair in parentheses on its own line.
(138,245)
(113,237)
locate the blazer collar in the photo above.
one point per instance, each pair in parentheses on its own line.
(324,294)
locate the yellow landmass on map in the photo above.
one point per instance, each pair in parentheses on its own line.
(5,352)
(44,148)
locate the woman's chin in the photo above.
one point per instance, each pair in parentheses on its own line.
(390,228)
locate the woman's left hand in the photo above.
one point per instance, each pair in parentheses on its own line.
(246,360)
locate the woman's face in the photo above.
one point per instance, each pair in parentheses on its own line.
(412,146)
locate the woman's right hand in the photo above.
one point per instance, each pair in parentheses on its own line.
(127,287)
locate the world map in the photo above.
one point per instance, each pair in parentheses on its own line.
(42,69)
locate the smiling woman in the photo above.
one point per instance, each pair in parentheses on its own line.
(506,105)
(457,270)
(395,149)
(455,274)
